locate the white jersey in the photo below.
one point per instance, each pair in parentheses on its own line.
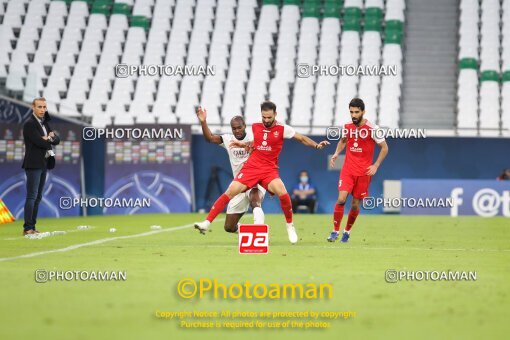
(237,156)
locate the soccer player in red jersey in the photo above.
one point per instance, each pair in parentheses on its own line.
(262,166)
(357,171)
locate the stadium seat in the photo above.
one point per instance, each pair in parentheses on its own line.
(79,48)
(349,55)
(489,100)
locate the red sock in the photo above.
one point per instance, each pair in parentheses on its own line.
(286,205)
(351,219)
(337,216)
(218,207)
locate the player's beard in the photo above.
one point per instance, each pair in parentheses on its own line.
(268,125)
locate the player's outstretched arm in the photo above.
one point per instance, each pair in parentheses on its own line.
(339,147)
(371,170)
(209,136)
(248,146)
(310,142)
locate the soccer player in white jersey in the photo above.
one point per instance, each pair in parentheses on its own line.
(237,156)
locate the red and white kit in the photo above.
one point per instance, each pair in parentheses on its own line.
(359,155)
(262,165)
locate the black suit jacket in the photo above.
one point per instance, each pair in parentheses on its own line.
(36,146)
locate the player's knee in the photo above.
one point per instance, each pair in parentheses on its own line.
(355,207)
(230,228)
(229,193)
(341,201)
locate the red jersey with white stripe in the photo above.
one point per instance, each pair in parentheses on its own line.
(267,145)
(359,151)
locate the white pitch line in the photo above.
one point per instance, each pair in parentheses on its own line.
(93,243)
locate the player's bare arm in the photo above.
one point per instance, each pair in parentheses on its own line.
(209,136)
(248,146)
(339,147)
(371,170)
(310,142)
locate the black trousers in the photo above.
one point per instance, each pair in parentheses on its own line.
(309,202)
(36,178)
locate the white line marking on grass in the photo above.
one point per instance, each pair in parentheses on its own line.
(93,243)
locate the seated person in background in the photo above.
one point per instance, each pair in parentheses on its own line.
(505,175)
(304,193)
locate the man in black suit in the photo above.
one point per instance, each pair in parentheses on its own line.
(39,157)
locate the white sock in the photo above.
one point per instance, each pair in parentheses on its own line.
(290,224)
(207,223)
(347,231)
(258,215)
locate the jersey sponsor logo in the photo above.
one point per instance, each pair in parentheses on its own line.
(355,149)
(240,153)
(264,148)
(253,239)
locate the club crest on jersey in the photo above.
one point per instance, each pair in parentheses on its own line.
(276,134)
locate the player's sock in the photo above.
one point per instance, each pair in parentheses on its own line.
(337,216)
(218,207)
(351,219)
(286,205)
(258,215)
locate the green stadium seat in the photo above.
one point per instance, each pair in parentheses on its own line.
(140,21)
(352,24)
(332,9)
(331,12)
(396,25)
(352,12)
(373,24)
(272,2)
(468,63)
(392,37)
(101,9)
(505,76)
(489,76)
(121,8)
(311,9)
(374,12)
(292,2)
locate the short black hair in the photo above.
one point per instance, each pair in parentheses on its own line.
(268,106)
(238,118)
(357,102)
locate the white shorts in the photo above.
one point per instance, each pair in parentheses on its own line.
(240,203)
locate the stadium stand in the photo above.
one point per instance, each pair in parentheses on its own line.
(253,46)
(67,50)
(484,55)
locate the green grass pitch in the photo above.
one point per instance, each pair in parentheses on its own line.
(156,262)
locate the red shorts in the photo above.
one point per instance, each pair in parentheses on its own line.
(252,177)
(356,185)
